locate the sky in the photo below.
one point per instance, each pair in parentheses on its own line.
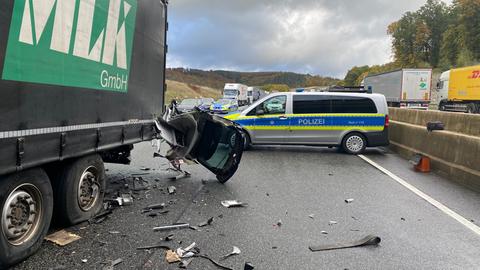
(320,37)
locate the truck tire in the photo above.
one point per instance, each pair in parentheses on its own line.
(471,108)
(442,107)
(26,211)
(354,143)
(79,189)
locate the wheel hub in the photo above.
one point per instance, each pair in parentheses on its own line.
(355,143)
(21,214)
(88,189)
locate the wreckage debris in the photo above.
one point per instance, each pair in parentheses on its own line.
(233,203)
(248,266)
(62,238)
(124,199)
(235,251)
(324,232)
(185,263)
(369,240)
(171,227)
(349,200)
(154,247)
(208,222)
(332,222)
(312,216)
(171,189)
(171,256)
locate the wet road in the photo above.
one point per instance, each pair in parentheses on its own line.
(288,184)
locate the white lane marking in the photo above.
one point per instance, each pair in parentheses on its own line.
(424,196)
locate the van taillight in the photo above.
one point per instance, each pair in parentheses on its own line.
(387,121)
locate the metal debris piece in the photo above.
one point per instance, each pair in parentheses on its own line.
(117,262)
(324,232)
(330,174)
(171,227)
(155,206)
(84,260)
(152,215)
(233,203)
(154,247)
(354,218)
(62,238)
(349,200)
(369,240)
(185,252)
(171,189)
(195,228)
(184,264)
(145,169)
(312,216)
(402,219)
(332,222)
(208,222)
(235,251)
(171,256)
(124,199)
(279,223)
(248,266)
(114,232)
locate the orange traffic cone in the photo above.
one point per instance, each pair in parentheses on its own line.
(424,165)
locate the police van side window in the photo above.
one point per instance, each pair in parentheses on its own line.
(274,105)
(342,104)
(308,104)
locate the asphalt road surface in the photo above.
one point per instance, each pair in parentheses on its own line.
(302,187)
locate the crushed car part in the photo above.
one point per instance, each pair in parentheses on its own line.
(369,240)
(233,203)
(215,142)
(62,238)
(171,227)
(235,251)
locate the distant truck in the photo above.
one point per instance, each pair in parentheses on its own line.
(236,91)
(254,94)
(402,88)
(459,90)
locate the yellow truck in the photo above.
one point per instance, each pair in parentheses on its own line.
(459,90)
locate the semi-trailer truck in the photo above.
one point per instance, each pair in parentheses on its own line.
(402,88)
(81,83)
(236,91)
(459,90)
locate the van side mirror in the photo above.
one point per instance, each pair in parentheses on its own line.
(260,112)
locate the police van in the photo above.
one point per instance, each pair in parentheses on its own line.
(352,121)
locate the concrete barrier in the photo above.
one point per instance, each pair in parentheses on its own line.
(454,152)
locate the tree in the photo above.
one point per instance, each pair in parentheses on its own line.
(353,74)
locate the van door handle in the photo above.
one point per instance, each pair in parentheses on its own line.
(283,118)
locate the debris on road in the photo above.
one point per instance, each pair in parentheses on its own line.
(330,174)
(349,200)
(248,266)
(154,247)
(124,199)
(402,219)
(312,216)
(184,264)
(332,222)
(153,207)
(117,262)
(171,256)
(233,203)
(171,227)
(324,232)
(84,260)
(279,223)
(369,240)
(208,222)
(171,189)
(235,251)
(62,238)
(354,218)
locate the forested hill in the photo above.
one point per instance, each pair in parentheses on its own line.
(218,78)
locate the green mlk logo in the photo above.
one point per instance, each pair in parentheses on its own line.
(79,43)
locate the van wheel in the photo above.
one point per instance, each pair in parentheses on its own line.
(442,107)
(471,108)
(26,204)
(80,189)
(354,143)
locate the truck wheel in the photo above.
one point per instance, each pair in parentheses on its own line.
(27,205)
(79,189)
(442,107)
(354,143)
(471,108)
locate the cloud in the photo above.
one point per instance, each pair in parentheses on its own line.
(325,37)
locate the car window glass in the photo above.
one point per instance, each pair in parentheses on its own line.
(344,104)
(308,104)
(274,105)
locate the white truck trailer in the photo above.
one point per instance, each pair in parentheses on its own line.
(236,91)
(402,88)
